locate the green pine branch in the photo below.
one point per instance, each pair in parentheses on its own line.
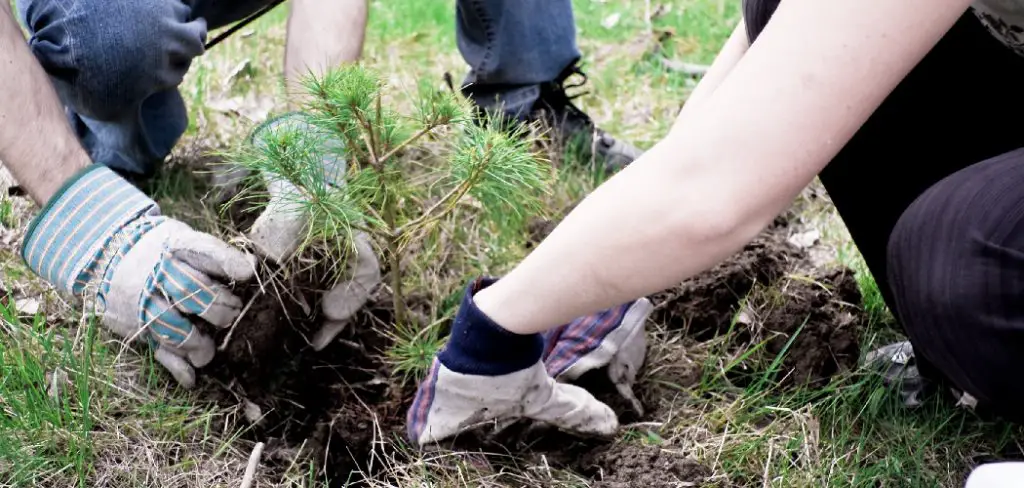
(352,124)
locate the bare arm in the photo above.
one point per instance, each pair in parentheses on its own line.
(323,34)
(817,72)
(36,143)
(730,54)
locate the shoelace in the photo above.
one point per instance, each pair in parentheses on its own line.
(242,23)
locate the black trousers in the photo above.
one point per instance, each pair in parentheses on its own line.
(932,191)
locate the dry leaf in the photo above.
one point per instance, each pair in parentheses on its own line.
(611,20)
(27,306)
(806,239)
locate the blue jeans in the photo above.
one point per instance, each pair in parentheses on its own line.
(117,64)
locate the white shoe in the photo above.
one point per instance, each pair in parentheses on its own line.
(997,475)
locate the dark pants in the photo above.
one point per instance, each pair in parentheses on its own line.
(117,64)
(932,191)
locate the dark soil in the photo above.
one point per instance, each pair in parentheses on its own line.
(630,465)
(704,306)
(822,311)
(825,320)
(331,403)
(334,404)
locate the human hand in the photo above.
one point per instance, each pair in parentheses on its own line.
(614,338)
(101,237)
(488,375)
(278,232)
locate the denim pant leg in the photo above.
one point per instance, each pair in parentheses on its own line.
(513,46)
(116,65)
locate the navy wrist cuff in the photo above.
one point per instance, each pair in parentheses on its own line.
(479,346)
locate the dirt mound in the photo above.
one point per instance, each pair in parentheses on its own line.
(816,327)
(328,404)
(334,405)
(705,305)
(753,296)
(607,464)
(624,466)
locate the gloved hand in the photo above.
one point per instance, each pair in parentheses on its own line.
(488,375)
(100,237)
(278,232)
(614,338)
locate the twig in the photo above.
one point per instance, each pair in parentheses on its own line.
(406,142)
(647,17)
(368,138)
(231,331)
(685,68)
(767,465)
(254,461)
(453,195)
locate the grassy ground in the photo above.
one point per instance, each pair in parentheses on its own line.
(77,408)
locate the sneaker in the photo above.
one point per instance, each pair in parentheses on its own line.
(569,124)
(895,362)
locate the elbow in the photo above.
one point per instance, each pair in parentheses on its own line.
(717,227)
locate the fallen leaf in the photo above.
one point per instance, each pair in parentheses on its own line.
(241,70)
(805,239)
(661,10)
(27,306)
(611,20)
(253,413)
(58,379)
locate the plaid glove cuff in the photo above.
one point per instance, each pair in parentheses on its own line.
(479,346)
(65,243)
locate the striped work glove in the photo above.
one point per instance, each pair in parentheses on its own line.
(279,230)
(488,375)
(100,237)
(614,338)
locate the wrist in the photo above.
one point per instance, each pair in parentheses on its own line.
(478,345)
(66,239)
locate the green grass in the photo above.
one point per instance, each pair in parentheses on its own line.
(119,420)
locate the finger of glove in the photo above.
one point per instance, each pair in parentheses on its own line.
(582,337)
(176,365)
(328,331)
(345,299)
(194,293)
(277,232)
(624,366)
(573,409)
(172,330)
(211,255)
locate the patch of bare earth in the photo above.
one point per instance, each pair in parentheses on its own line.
(341,408)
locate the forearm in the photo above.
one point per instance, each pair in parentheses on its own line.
(784,111)
(644,230)
(36,143)
(730,54)
(323,34)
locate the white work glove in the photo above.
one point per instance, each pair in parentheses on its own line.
(101,237)
(488,375)
(279,230)
(615,338)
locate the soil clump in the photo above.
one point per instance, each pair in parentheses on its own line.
(340,405)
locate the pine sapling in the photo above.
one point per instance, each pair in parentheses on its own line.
(378,188)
